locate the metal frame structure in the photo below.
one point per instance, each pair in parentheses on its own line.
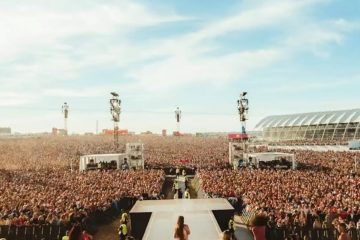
(357,130)
(331,125)
(178,118)
(243,108)
(115,110)
(65,110)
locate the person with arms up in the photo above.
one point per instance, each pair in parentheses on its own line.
(343,233)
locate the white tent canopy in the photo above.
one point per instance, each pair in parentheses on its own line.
(85,160)
(271,156)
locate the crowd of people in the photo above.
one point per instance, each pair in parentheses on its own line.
(191,152)
(160,152)
(323,192)
(37,186)
(60,197)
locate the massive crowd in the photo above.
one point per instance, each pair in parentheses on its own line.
(42,153)
(192,152)
(37,186)
(57,197)
(325,189)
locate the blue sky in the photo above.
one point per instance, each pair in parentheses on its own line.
(290,55)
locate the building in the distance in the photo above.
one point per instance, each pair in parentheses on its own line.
(111,131)
(5,131)
(59,132)
(331,125)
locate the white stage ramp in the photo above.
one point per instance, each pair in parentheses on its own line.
(198,214)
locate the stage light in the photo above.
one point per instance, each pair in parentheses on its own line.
(115,116)
(115,105)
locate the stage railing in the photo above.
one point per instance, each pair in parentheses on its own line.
(56,232)
(284,233)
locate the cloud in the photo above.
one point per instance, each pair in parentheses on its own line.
(61,49)
(39,45)
(183,70)
(72,93)
(11,99)
(262,15)
(187,59)
(314,35)
(30,25)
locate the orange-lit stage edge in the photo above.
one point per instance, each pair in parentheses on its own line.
(156,219)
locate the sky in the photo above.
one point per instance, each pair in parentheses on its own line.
(291,56)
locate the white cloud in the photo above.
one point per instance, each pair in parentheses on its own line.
(188,59)
(59,92)
(182,70)
(314,35)
(265,14)
(10,99)
(43,30)
(35,26)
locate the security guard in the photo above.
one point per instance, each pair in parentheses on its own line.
(124,218)
(176,186)
(187,194)
(123,231)
(66,237)
(231,226)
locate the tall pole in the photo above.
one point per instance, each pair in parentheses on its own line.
(178,117)
(116,133)
(115,109)
(243,108)
(97,127)
(65,110)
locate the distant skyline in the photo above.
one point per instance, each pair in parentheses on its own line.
(290,56)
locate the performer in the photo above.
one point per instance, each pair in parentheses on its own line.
(182,231)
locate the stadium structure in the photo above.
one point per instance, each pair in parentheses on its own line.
(330,125)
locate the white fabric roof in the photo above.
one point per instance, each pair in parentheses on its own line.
(313,118)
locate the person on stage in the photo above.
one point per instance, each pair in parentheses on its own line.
(182,231)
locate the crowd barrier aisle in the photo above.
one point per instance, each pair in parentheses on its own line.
(56,232)
(313,234)
(172,170)
(246,216)
(32,232)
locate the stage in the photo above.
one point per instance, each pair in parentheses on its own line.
(156,219)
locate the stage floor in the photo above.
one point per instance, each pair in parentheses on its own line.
(185,205)
(197,214)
